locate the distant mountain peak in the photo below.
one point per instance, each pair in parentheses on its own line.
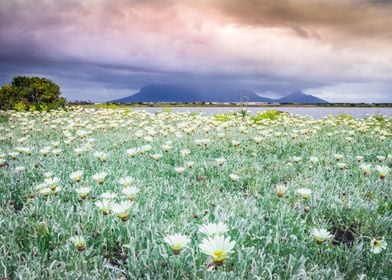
(297,96)
(187,93)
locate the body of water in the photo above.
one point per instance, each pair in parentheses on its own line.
(316,112)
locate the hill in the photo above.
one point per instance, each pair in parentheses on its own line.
(180,93)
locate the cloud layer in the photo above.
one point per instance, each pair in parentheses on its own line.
(101,49)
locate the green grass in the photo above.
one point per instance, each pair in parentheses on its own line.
(273,235)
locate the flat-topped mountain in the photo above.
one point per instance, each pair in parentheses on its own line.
(180,93)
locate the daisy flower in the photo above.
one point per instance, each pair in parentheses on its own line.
(126,181)
(177,242)
(321,235)
(76,176)
(132,152)
(377,245)
(104,206)
(156,156)
(218,248)
(83,192)
(108,195)
(280,190)
(100,177)
(20,169)
(234,177)
(179,169)
(313,160)
(305,193)
(359,158)
(185,152)
(338,156)
(52,183)
(122,209)
(382,171)
(220,161)
(366,168)
(79,242)
(130,192)
(212,229)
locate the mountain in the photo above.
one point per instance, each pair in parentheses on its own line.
(298,96)
(182,93)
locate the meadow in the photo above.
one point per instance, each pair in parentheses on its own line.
(119,194)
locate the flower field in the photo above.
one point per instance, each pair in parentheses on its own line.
(119,194)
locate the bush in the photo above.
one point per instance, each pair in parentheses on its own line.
(31,93)
(20,106)
(268,115)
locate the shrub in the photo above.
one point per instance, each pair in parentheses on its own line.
(31,93)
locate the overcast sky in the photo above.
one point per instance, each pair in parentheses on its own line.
(339,50)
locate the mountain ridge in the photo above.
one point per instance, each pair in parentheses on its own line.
(180,93)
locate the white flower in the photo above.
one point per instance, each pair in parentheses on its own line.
(321,235)
(126,181)
(83,192)
(56,152)
(190,164)
(217,247)
(76,176)
(257,140)
(212,229)
(314,160)
(52,183)
(180,169)
(45,191)
(342,165)
(156,156)
(235,143)
(234,177)
(305,193)
(122,209)
(130,192)
(20,169)
(338,156)
(185,152)
(359,158)
(366,168)
(100,177)
(166,148)
(79,242)
(132,152)
(380,158)
(177,242)
(296,159)
(377,245)
(220,161)
(108,195)
(48,175)
(382,171)
(104,206)
(102,156)
(280,190)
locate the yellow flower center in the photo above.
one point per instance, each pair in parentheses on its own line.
(376,244)
(219,255)
(176,247)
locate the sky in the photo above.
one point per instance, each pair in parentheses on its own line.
(99,50)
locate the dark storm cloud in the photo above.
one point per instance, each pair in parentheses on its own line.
(101,49)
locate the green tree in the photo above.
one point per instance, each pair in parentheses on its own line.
(30,93)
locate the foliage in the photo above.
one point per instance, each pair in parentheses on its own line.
(31,93)
(107,106)
(268,115)
(272,233)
